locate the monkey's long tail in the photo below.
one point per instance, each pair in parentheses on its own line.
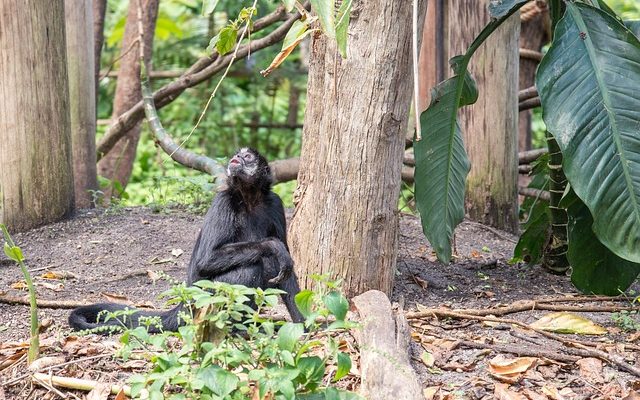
(86,317)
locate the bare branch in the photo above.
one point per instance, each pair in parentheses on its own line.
(202,70)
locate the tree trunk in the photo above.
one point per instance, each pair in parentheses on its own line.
(99,12)
(118,163)
(534,33)
(36,177)
(346,217)
(80,58)
(490,126)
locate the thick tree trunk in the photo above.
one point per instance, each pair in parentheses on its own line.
(80,59)
(534,33)
(490,126)
(99,12)
(346,217)
(118,163)
(36,178)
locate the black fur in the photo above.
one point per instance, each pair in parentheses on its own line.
(243,241)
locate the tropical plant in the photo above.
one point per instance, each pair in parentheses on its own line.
(589,84)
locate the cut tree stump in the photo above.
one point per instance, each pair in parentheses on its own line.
(383,340)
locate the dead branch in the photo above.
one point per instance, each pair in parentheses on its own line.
(529,104)
(75,383)
(521,306)
(524,169)
(526,157)
(521,351)
(531,192)
(531,55)
(200,71)
(573,347)
(57,304)
(528,93)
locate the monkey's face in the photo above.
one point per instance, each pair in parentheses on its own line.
(244,163)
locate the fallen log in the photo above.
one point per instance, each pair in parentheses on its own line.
(384,358)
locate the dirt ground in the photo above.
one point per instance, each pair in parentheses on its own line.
(106,255)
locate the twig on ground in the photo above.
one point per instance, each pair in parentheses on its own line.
(57,304)
(521,351)
(75,383)
(49,368)
(573,347)
(520,306)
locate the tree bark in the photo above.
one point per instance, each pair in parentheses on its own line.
(99,12)
(490,125)
(534,33)
(80,59)
(118,163)
(432,64)
(346,217)
(36,177)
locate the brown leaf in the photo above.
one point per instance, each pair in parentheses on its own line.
(510,370)
(420,282)
(633,395)
(279,59)
(19,285)
(57,275)
(58,287)
(430,392)
(100,392)
(115,298)
(552,392)
(502,392)
(591,370)
(121,395)
(531,395)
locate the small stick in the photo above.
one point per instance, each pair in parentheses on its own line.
(56,304)
(520,307)
(578,349)
(78,384)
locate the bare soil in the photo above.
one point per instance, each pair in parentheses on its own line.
(105,255)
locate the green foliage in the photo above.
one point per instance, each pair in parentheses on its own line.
(250,354)
(626,320)
(15,253)
(596,269)
(594,119)
(441,161)
(535,217)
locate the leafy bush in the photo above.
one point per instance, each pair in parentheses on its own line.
(227,350)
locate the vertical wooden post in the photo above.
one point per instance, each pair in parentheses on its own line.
(80,65)
(491,125)
(36,178)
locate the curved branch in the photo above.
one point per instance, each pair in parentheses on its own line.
(200,71)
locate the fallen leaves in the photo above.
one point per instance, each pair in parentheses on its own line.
(510,370)
(565,322)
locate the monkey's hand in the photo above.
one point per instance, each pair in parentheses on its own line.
(283,259)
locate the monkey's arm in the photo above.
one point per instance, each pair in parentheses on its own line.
(232,255)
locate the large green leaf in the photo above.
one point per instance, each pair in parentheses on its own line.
(595,269)
(442,166)
(441,161)
(589,83)
(499,8)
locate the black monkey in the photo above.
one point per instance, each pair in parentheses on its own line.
(243,241)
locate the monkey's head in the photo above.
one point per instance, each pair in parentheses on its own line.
(248,166)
